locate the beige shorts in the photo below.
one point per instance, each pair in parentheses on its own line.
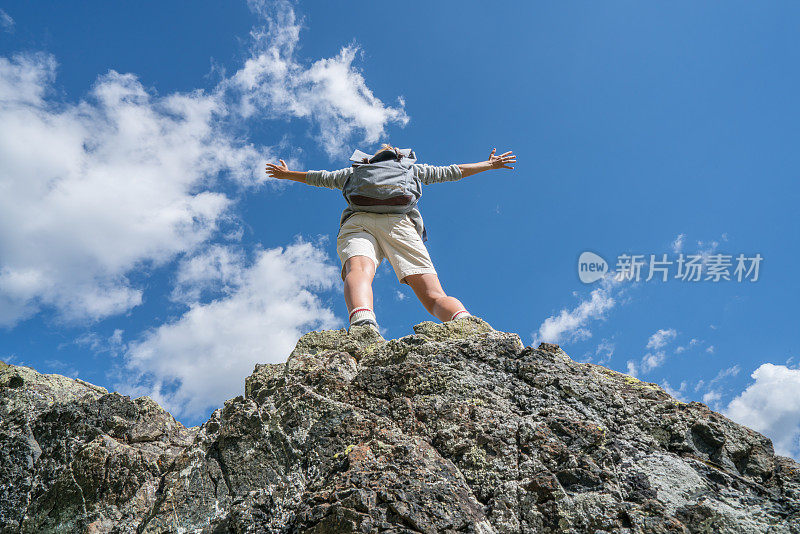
(384,235)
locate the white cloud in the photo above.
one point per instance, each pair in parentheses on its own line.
(661,338)
(330,92)
(721,375)
(677,393)
(725,373)
(706,250)
(6,22)
(711,398)
(710,349)
(572,325)
(199,360)
(604,351)
(677,244)
(116,337)
(95,189)
(99,344)
(125,179)
(657,356)
(771,405)
(211,270)
(712,392)
(651,360)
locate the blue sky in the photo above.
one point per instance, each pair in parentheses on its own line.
(143,249)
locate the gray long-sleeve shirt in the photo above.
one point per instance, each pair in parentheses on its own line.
(427,174)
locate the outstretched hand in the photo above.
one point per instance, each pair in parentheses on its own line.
(278,171)
(501,161)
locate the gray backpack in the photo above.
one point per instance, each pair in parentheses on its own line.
(383,184)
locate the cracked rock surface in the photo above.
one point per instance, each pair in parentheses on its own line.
(455,428)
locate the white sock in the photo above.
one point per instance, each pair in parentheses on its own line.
(459,314)
(360,313)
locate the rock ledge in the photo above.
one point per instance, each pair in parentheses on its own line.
(455,428)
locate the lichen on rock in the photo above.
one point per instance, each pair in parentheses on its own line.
(457,427)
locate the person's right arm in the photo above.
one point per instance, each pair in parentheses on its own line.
(331,180)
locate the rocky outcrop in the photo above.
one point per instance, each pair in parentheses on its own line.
(456,428)
(75,458)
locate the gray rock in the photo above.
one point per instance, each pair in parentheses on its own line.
(75,458)
(455,428)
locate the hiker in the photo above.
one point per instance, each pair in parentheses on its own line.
(382,221)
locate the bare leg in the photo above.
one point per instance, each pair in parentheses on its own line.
(430,293)
(358,274)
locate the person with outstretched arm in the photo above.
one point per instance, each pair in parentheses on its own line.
(382,221)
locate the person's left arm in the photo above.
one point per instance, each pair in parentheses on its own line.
(430,174)
(494,162)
